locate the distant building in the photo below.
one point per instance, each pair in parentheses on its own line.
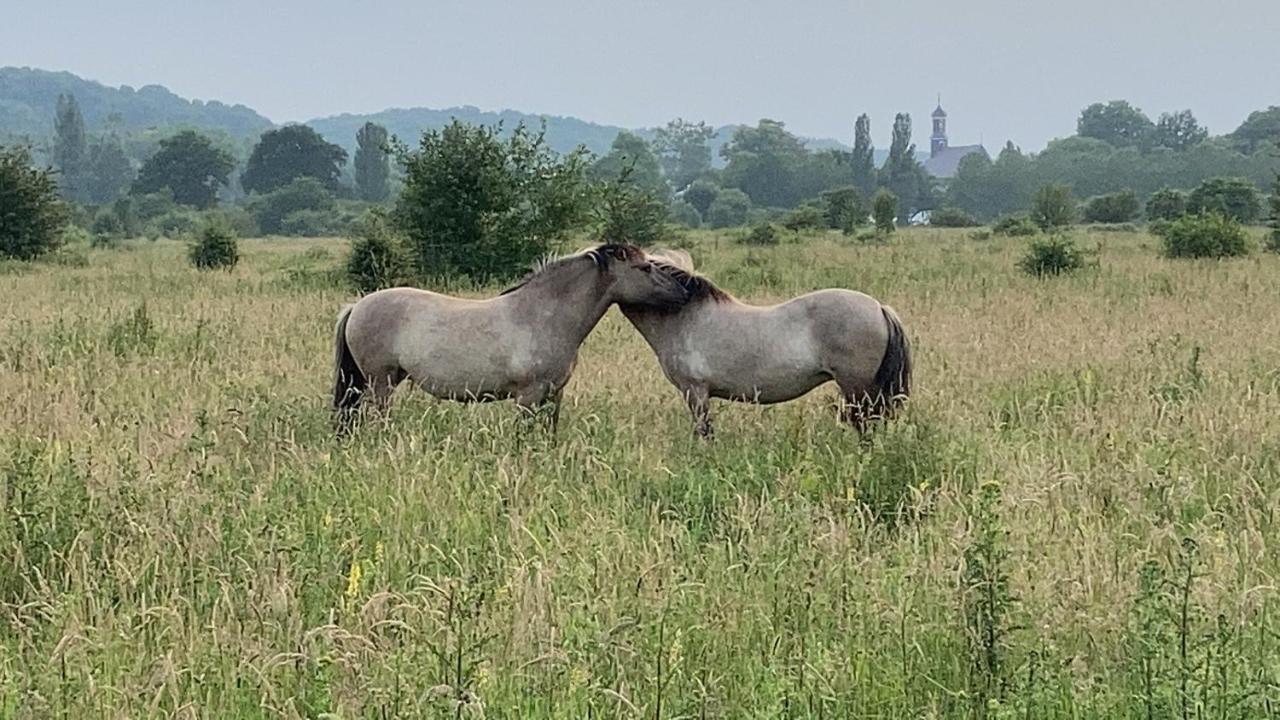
(944,158)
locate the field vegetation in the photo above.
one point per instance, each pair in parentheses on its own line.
(1074,517)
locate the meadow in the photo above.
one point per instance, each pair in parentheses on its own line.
(1073,519)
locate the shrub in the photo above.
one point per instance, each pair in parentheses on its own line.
(700,194)
(950,217)
(1273,238)
(1014,226)
(1166,204)
(684,213)
(1118,207)
(1211,235)
(174,224)
(805,217)
(107,227)
(844,209)
(729,209)
(1052,255)
(153,205)
(631,213)
(31,215)
(303,193)
(379,256)
(1234,198)
(309,223)
(1053,207)
(482,203)
(884,210)
(215,247)
(239,219)
(765,233)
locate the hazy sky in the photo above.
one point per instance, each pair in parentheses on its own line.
(1007,69)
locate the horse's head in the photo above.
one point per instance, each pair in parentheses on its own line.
(636,280)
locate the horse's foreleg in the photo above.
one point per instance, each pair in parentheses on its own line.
(699,400)
(541,404)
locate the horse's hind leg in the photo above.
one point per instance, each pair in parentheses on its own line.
(860,406)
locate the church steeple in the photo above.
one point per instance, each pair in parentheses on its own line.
(938,140)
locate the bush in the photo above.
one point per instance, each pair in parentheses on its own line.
(805,217)
(31,215)
(1166,204)
(379,256)
(1053,207)
(174,224)
(478,204)
(303,193)
(844,209)
(1235,198)
(729,209)
(1052,255)
(684,213)
(1273,239)
(884,210)
(107,227)
(1210,235)
(700,194)
(239,219)
(1014,226)
(215,247)
(630,213)
(765,233)
(152,205)
(950,217)
(1120,207)
(310,223)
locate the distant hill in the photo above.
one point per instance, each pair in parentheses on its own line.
(563,133)
(29,96)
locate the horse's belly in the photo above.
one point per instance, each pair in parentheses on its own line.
(771,390)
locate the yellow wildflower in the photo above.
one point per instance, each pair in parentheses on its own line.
(353,580)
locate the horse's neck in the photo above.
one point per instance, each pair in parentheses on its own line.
(567,301)
(663,330)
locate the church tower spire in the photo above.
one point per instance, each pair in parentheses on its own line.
(938,140)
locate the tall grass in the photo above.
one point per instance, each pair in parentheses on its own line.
(1075,517)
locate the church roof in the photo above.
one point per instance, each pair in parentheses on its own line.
(939,112)
(946,162)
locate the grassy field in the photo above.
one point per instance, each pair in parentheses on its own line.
(1075,518)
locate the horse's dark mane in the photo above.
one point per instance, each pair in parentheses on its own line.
(600,254)
(698,286)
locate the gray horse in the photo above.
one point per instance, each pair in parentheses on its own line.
(521,345)
(717,347)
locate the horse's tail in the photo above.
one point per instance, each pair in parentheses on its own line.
(893,377)
(350,382)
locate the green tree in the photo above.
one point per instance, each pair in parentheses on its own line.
(190,166)
(729,209)
(863,160)
(884,211)
(1233,198)
(1053,207)
(110,172)
(1179,131)
(290,152)
(684,149)
(843,208)
(765,162)
(630,156)
(70,148)
(903,175)
(373,163)
(31,214)
(302,194)
(1117,123)
(1166,204)
(700,194)
(631,213)
(1260,130)
(1118,207)
(478,205)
